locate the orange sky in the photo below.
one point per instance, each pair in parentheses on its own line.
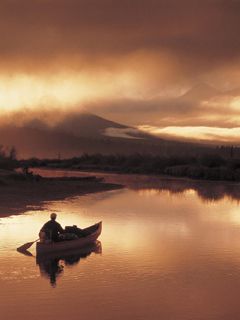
(130,61)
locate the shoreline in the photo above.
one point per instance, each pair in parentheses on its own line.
(105,174)
(20,193)
(17,197)
(207,190)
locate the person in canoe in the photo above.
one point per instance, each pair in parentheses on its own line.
(51,230)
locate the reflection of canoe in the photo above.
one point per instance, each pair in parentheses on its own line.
(90,235)
(51,264)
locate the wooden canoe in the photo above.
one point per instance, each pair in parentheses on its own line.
(94,247)
(92,233)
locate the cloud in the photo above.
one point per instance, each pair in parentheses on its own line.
(199,35)
(126,133)
(208,134)
(126,60)
(219,111)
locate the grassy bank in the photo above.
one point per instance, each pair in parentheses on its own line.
(19,193)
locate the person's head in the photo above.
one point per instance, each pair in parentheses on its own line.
(53,216)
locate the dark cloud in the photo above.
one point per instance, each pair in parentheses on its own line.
(199,34)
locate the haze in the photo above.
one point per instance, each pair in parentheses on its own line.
(169,67)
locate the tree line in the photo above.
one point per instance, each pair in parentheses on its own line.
(203,166)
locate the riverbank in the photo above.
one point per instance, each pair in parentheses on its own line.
(18,193)
(206,190)
(211,167)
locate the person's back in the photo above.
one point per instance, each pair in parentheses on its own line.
(52,228)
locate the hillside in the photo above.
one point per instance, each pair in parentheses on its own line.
(84,133)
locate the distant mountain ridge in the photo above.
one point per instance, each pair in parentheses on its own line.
(201,91)
(83,133)
(86,125)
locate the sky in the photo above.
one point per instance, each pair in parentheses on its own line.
(169,67)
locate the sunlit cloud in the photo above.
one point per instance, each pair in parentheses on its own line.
(235,104)
(197,133)
(223,103)
(62,90)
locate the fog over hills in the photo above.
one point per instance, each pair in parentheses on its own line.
(86,125)
(202,105)
(199,92)
(53,133)
(80,133)
(203,91)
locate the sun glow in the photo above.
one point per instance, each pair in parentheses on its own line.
(22,91)
(235,104)
(62,90)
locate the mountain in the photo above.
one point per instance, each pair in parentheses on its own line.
(200,92)
(203,91)
(83,133)
(85,125)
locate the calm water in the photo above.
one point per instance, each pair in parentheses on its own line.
(169,250)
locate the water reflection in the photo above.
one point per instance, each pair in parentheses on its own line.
(167,255)
(52,266)
(205,190)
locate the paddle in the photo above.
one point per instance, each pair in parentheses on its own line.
(25,252)
(26,246)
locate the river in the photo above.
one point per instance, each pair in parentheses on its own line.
(169,249)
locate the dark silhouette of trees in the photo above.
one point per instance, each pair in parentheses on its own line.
(204,166)
(8,158)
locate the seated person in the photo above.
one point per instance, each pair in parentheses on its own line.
(51,229)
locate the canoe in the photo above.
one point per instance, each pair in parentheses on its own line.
(71,255)
(91,235)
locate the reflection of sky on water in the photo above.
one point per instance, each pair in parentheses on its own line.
(206,190)
(165,255)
